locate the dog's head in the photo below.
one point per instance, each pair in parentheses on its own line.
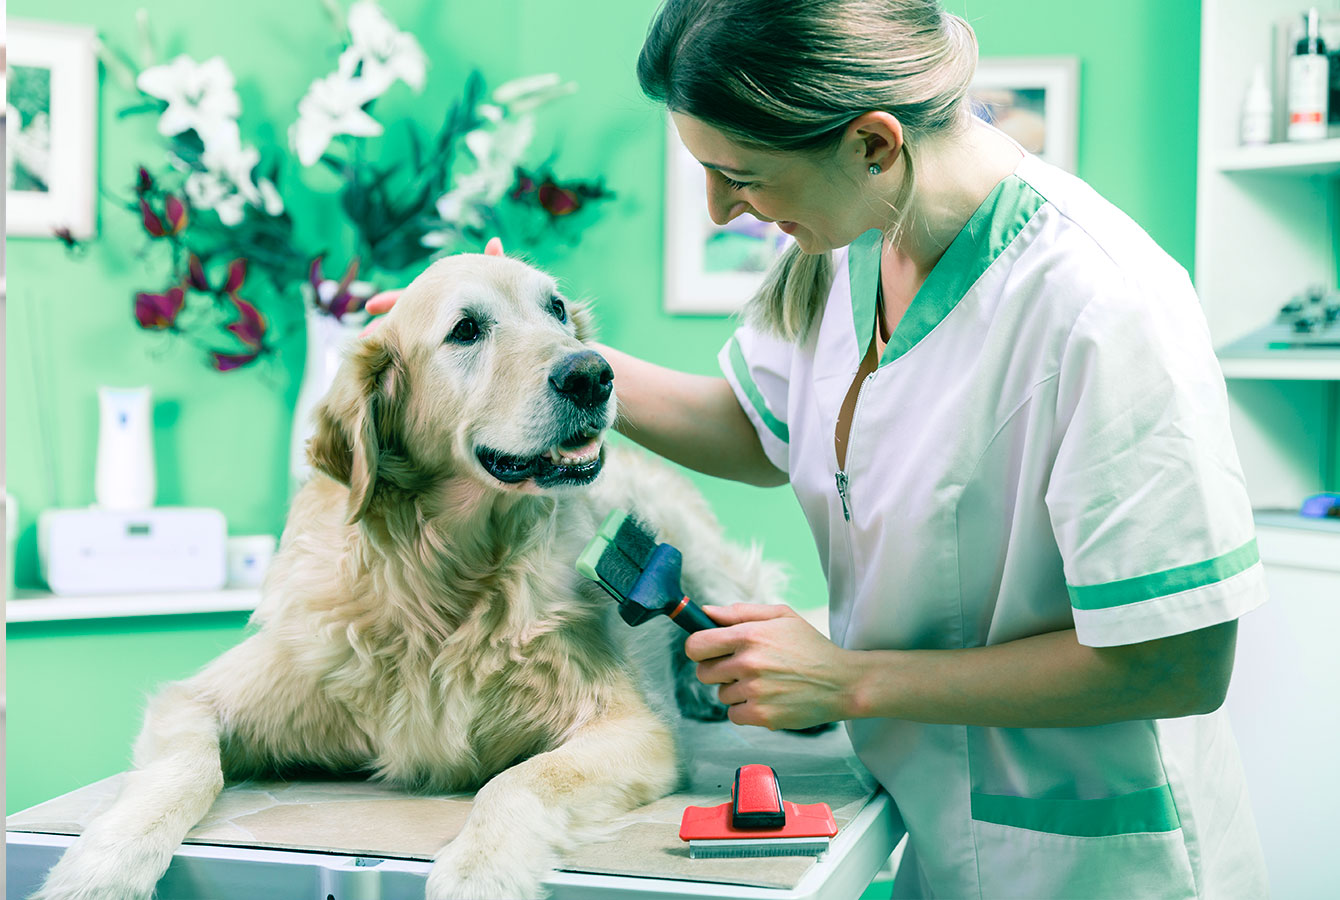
(478,372)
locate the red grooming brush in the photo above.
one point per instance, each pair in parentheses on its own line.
(757,822)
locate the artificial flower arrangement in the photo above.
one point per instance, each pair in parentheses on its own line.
(222,213)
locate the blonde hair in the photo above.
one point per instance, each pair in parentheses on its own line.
(790,75)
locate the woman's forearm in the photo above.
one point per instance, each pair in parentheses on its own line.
(1049,680)
(693,420)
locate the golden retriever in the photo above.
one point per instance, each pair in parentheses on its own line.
(422,622)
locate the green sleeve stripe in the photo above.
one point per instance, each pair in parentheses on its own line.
(1150,810)
(741,368)
(1169,581)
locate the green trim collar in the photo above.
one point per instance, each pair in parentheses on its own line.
(995,224)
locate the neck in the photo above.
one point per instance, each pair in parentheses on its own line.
(954,175)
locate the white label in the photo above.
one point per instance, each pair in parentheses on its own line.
(1308,93)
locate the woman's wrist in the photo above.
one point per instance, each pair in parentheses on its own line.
(871,676)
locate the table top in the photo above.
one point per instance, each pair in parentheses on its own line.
(366,818)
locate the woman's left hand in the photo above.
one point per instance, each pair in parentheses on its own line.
(774,668)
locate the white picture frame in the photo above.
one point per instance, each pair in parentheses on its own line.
(709,269)
(1034,100)
(50,170)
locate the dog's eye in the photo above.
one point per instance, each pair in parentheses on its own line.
(560,311)
(465,332)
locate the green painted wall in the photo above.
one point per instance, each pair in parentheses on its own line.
(222,441)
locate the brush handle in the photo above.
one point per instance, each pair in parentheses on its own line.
(690,616)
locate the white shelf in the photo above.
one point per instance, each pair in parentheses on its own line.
(41,606)
(1301,158)
(1282,365)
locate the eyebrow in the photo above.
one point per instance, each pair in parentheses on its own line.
(740,172)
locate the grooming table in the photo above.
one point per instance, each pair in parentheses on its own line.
(360,840)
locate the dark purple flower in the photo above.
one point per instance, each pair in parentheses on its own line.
(250,325)
(176,214)
(144,182)
(149,218)
(558,200)
(158,312)
(225,362)
(237,273)
(196,274)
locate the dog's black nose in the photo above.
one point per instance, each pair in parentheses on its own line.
(584,378)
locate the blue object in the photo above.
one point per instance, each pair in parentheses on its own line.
(1321,506)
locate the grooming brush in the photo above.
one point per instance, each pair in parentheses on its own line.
(757,822)
(640,574)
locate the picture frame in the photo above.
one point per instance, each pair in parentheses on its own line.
(51,129)
(709,269)
(1034,100)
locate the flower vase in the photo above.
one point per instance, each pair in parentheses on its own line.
(328,341)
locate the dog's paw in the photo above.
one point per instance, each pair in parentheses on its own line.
(464,873)
(88,872)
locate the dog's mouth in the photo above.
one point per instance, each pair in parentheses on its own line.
(574,460)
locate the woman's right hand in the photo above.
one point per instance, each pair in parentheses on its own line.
(382,302)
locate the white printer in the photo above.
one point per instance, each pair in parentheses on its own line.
(119,551)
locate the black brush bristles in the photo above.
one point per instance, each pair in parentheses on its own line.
(617,571)
(635,541)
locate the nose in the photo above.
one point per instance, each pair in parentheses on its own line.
(583,378)
(721,205)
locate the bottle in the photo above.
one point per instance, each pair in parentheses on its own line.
(125,464)
(1309,83)
(1257,111)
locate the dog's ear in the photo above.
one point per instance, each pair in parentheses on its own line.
(359,420)
(582,320)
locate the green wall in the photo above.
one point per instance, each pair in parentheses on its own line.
(222,440)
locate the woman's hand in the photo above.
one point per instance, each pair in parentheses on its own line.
(382,302)
(774,668)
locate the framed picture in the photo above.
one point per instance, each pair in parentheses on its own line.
(710,269)
(50,127)
(1034,100)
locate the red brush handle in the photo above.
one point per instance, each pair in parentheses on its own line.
(756,799)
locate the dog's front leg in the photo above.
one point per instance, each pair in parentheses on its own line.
(125,850)
(528,815)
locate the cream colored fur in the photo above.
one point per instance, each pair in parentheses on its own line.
(422,621)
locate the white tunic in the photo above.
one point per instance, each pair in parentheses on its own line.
(1044,446)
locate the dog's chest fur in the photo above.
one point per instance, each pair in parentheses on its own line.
(447,709)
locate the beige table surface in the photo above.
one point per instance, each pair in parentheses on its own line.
(370,819)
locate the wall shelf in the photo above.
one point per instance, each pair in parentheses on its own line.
(43,606)
(1283,365)
(1302,158)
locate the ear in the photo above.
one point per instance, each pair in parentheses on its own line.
(359,420)
(583,320)
(877,138)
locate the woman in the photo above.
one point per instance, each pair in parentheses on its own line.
(996,400)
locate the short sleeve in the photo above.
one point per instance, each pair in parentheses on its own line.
(1146,495)
(758,368)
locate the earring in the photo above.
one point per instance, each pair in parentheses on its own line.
(874,169)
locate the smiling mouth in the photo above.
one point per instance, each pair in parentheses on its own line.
(575,460)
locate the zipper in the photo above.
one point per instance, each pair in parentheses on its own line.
(843,486)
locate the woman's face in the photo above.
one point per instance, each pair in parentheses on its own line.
(803,194)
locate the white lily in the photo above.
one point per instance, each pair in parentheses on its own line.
(236,166)
(385,52)
(272,203)
(211,190)
(200,97)
(523,95)
(332,106)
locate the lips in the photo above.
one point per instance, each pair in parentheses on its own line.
(575,460)
(788,227)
